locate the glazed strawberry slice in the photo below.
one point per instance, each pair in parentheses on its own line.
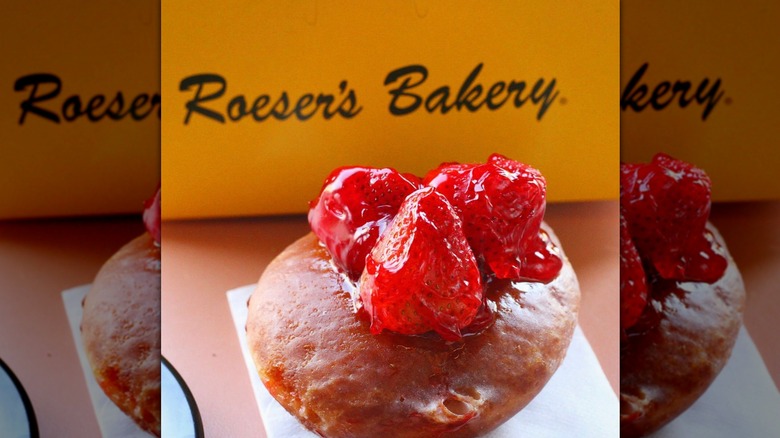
(502,203)
(666,205)
(353,209)
(152,215)
(633,286)
(422,275)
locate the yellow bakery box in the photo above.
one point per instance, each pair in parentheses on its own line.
(698,81)
(261,100)
(79,107)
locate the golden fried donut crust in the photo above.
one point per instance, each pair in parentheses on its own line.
(120,328)
(319,360)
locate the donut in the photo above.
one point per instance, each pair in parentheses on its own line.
(120,329)
(416,307)
(682,296)
(120,325)
(324,366)
(679,345)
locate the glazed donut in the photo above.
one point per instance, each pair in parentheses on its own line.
(120,329)
(320,361)
(677,348)
(681,294)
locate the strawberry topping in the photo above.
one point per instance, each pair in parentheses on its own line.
(422,274)
(666,204)
(633,286)
(152,215)
(354,208)
(420,249)
(502,204)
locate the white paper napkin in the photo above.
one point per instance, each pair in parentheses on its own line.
(743,401)
(13,415)
(112,421)
(577,401)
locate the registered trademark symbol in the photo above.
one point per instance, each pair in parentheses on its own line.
(564,100)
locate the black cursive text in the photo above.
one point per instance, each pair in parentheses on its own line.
(635,95)
(471,96)
(261,107)
(44,88)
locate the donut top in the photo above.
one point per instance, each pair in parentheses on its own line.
(664,208)
(421,249)
(121,330)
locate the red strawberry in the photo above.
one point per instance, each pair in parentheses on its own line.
(633,286)
(422,275)
(353,209)
(152,215)
(502,204)
(666,205)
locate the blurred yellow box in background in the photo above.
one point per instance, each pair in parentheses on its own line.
(79,107)
(263,99)
(698,82)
